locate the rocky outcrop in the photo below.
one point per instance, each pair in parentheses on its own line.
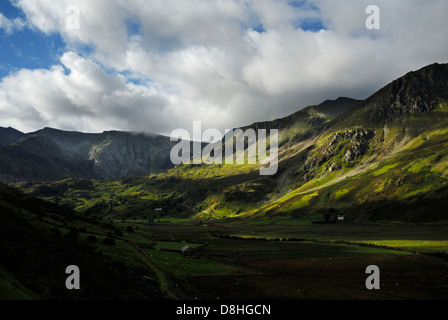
(345,148)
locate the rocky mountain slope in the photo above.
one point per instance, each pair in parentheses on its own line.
(51,154)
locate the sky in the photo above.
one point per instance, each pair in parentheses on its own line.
(158,65)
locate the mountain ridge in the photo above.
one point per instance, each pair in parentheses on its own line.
(76,154)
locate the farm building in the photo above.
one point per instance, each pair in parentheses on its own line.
(186,250)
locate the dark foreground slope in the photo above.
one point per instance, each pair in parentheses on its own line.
(38,240)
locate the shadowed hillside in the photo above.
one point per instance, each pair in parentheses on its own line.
(38,240)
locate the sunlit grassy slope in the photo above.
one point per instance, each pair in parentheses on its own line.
(407,164)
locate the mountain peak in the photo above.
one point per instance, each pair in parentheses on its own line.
(416,92)
(435,74)
(335,108)
(9,135)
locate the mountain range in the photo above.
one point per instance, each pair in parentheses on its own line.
(51,154)
(385,157)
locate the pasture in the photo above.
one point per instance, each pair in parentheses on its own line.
(239,260)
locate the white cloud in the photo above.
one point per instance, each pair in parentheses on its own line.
(203,60)
(10,26)
(84,97)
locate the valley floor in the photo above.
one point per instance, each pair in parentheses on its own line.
(240,261)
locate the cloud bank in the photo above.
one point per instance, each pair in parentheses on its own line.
(158,65)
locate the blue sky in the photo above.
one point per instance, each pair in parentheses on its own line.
(155,66)
(26,48)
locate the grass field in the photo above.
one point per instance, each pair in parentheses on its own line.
(270,260)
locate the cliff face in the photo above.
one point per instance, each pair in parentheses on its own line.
(50,154)
(122,155)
